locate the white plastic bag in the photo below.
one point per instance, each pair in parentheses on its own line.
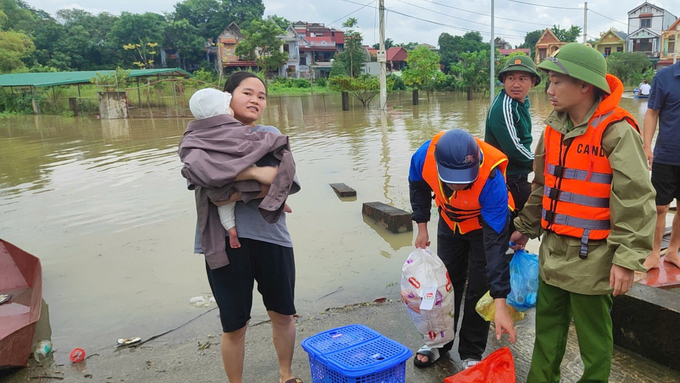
(425,283)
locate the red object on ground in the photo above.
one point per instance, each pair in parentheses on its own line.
(499,367)
(21,276)
(77,355)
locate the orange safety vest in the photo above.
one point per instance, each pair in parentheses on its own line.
(578,176)
(462,210)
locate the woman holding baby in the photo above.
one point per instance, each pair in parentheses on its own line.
(263,249)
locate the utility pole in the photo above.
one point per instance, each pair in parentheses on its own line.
(492,73)
(382,58)
(585,22)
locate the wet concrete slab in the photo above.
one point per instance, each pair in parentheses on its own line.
(192,353)
(666,276)
(394,219)
(343,190)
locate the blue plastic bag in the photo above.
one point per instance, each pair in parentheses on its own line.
(523,280)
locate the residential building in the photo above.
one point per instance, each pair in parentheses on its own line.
(318,44)
(610,42)
(546,45)
(669,47)
(291,45)
(396,58)
(508,52)
(646,23)
(226,47)
(501,44)
(371,66)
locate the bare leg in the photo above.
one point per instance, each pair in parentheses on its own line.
(233,238)
(654,259)
(672,252)
(283,330)
(233,353)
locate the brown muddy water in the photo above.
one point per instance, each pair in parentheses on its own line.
(102,203)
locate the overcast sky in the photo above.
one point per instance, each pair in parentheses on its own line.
(523,18)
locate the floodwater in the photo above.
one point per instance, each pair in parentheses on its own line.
(103,204)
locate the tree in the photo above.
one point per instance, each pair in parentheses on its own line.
(629,67)
(389,43)
(567,35)
(473,70)
(282,22)
(530,41)
(20,16)
(423,69)
(263,44)
(137,33)
(364,88)
(14,48)
(451,47)
(354,54)
(408,46)
(337,69)
(186,39)
(212,16)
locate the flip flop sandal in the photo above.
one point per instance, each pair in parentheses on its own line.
(294,380)
(432,355)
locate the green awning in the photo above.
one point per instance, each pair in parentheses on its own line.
(73,78)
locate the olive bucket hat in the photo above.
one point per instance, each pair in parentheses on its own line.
(522,64)
(580,62)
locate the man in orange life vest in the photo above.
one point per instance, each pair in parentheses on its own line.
(467,177)
(593,203)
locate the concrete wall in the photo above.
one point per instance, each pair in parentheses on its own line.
(113,105)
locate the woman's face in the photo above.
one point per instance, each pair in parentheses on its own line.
(249,100)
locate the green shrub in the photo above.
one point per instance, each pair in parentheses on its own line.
(18,102)
(321,82)
(398,82)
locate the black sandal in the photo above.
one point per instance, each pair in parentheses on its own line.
(432,354)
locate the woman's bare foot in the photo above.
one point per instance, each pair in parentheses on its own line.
(672,257)
(233,238)
(653,261)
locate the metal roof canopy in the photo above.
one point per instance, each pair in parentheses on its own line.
(73,78)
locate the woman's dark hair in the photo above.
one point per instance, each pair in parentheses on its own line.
(235,79)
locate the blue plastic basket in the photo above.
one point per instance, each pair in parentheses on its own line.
(355,354)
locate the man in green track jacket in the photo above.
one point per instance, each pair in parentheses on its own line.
(508,125)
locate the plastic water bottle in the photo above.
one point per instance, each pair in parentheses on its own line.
(42,351)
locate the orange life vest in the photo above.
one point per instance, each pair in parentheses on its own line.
(462,210)
(578,176)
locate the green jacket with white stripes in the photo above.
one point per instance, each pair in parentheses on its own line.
(508,128)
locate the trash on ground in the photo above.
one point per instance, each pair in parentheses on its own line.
(77,355)
(202,301)
(128,341)
(42,351)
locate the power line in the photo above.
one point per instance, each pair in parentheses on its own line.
(544,6)
(485,14)
(351,13)
(433,22)
(607,17)
(458,18)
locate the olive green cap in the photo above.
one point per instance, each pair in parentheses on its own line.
(580,62)
(519,63)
